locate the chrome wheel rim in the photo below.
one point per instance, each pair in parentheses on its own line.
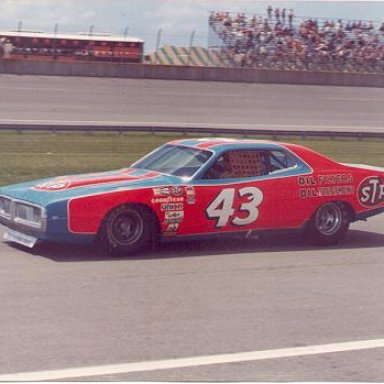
(329,219)
(126,228)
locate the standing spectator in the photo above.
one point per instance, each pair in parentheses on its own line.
(7,49)
(2,41)
(283,14)
(277,14)
(269,11)
(290,17)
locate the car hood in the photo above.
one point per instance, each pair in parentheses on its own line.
(45,191)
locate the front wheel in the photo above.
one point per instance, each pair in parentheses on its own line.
(128,229)
(329,224)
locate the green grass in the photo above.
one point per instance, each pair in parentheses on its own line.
(28,156)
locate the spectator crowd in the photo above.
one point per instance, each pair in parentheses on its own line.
(280,39)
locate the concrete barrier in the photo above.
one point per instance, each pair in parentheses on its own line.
(145,71)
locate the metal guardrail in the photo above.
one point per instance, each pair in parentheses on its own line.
(153,129)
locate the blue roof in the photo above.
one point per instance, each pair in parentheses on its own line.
(220,144)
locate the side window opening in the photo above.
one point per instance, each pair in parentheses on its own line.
(239,164)
(248,163)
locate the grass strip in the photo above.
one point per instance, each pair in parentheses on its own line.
(34,155)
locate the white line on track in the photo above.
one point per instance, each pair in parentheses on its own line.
(197,361)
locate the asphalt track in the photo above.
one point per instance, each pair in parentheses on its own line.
(257,310)
(53,100)
(73,307)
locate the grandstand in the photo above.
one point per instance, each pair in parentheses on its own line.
(292,43)
(41,46)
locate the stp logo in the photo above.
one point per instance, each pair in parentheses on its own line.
(371,191)
(176,191)
(52,186)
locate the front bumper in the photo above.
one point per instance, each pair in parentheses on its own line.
(20,238)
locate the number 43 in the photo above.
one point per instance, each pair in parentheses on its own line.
(221,208)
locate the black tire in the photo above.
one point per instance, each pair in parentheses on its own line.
(129,229)
(329,224)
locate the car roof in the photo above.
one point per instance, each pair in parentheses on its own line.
(218,144)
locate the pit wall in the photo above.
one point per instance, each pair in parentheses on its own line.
(146,71)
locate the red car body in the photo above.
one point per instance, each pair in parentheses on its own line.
(273,186)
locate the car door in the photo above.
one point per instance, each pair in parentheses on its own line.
(240,192)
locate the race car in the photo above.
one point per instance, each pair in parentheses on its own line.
(197,188)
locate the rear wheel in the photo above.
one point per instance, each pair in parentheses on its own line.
(128,229)
(329,224)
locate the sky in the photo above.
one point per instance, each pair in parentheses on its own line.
(180,21)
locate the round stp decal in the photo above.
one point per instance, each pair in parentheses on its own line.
(371,191)
(176,191)
(52,186)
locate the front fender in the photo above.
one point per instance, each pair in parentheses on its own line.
(86,213)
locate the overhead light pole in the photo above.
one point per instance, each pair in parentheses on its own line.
(158,40)
(191,40)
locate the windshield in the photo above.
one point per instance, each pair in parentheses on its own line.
(174,160)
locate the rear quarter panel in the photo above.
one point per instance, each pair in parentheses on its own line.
(361,186)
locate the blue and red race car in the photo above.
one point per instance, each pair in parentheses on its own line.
(197,187)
